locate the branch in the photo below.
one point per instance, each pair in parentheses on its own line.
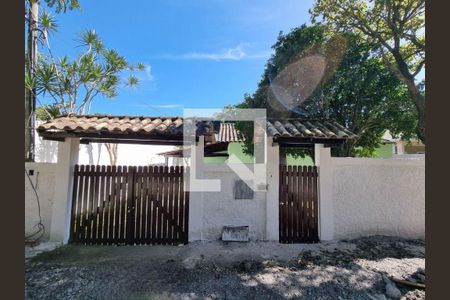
(418,68)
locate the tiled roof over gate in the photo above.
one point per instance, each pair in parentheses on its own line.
(120,126)
(146,127)
(308,129)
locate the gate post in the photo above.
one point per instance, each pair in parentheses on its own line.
(272,195)
(195,213)
(61,212)
(326,210)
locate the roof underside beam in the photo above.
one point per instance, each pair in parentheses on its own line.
(307,142)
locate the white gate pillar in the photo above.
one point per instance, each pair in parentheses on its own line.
(195,226)
(61,213)
(273,181)
(326,215)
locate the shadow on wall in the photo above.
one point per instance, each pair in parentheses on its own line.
(46,151)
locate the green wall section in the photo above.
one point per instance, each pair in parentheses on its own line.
(233,148)
(236,149)
(299,161)
(384,151)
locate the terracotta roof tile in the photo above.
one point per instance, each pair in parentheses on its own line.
(308,129)
(146,126)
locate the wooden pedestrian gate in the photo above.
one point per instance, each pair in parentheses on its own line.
(129,205)
(298,204)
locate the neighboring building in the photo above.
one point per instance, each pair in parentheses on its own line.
(395,147)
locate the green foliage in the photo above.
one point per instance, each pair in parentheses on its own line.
(63,5)
(396,28)
(396,25)
(47,112)
(357,90)
(74,83)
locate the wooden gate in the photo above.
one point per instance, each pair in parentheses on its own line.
(129,205)
(298,204)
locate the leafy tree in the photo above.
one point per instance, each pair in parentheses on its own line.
(356,90)
(396,27)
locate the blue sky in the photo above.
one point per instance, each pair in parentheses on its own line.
(198,53)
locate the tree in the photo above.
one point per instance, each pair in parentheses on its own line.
(367,97)
(396,27)
(73,84)
(47,111)
(356,88)
(37,27)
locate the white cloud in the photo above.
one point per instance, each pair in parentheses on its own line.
(148,72)
(236,53)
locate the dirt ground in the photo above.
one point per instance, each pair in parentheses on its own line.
(351,269)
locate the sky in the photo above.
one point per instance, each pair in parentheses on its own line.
(198,53)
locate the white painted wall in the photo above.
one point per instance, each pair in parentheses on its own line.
(220,208)
(43,180)
(364,196)
(128,154)
(97,154)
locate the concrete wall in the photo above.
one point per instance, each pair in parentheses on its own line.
(220,208)
(377,196)
(43,180)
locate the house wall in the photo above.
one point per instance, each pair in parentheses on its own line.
(377,196)
(43,180)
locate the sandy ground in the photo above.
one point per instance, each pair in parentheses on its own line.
(215,270)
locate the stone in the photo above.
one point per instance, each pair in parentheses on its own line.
(392,291)
(421,277)
(378,297)
(235,233)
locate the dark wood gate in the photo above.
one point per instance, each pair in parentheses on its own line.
(298,204)
(129,205)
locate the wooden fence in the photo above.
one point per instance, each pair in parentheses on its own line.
(129,205)
(298,204)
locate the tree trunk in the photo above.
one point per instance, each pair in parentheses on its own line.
(402,72)
(30,96)
(419,102)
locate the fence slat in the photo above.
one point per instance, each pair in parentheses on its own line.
(315,205)
(185,209)
(154,194)
(73,229)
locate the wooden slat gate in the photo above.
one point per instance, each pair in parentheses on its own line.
(129,205)
(298,204)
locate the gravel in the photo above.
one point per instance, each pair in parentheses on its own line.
(349,269)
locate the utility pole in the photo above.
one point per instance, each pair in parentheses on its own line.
(30,96)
